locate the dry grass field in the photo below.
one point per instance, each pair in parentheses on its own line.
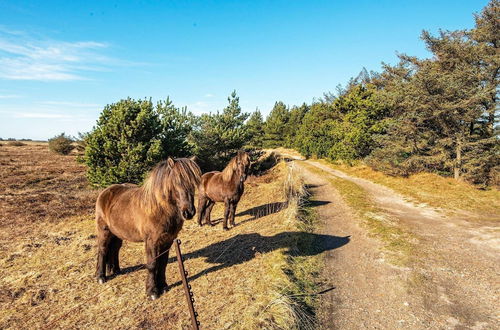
(256,275)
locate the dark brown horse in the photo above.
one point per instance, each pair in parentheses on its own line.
(153,213)
(226,186)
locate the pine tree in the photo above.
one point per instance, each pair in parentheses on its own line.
(130,137)
(445,108)
(275,126)
(255,129)
(314,135)
(218,137)
(295,120)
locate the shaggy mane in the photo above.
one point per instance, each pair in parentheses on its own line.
(184,173)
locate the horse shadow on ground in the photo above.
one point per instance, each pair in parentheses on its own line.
(263,210)
(244,247)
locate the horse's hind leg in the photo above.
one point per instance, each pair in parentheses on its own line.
(208,211)
(112,260)
(103,239)
(202,206)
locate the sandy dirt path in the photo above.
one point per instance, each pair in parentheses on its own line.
(451,283)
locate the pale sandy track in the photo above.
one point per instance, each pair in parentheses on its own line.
(451,283)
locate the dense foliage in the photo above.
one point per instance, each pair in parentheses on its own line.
(343,128)
(255,129)
(131,136)
(217,137)
(444,110)
(275,126)
(61,144)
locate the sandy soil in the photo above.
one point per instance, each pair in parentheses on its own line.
(451,281)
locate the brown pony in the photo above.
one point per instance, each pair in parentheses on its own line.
(226,186)
(153,213)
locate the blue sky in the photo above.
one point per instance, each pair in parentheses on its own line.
(62,61)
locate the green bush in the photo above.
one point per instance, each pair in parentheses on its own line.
(61,144)
(131,136)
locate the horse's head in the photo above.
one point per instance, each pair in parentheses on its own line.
(185,177)
(243,161)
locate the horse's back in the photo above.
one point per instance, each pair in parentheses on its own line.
(206,177)
(108,197)
(116,209)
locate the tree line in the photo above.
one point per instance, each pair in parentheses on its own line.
(438,114)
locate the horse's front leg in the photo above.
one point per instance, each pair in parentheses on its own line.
(227,211)
(161,282)
(232,212)
(152,267)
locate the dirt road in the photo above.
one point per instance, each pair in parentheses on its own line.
(451,281)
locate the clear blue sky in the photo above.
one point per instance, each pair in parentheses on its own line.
(62,61)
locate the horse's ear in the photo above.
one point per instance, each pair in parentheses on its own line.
(170,162)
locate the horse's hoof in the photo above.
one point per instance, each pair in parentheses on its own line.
(153,296)
(225,228)
(101,280)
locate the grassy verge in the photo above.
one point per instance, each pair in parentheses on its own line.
(296,270)
(434,190)
(397,242)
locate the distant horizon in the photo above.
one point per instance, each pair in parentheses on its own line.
(61,64)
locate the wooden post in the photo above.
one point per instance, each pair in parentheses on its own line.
(187,287)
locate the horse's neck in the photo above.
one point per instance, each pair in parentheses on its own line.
(235,181)
(163,209)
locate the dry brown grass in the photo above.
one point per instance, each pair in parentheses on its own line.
(38,186)
(434,190)
(48,257)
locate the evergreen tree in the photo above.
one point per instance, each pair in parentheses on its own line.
(445,109)
(218,137)
(255,129)
(360,116)
(314,135)
(176,126)
(130,137)
(274,129)
(295,120)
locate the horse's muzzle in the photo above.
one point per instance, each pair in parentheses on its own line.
(188,215)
